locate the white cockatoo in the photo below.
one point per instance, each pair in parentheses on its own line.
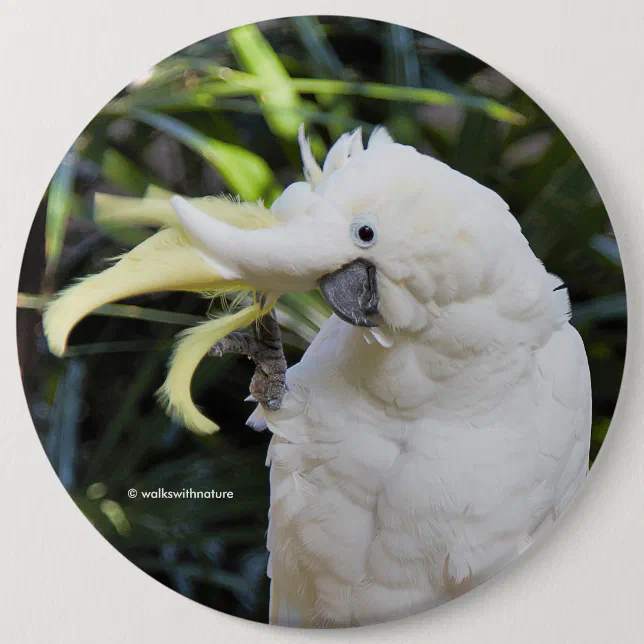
(439,421)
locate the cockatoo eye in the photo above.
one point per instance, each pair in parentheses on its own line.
(363,231)
(366,234)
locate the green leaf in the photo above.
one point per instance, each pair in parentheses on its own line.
(600,309)
(255,54)
(125,416)
(600,429)
(295,340)
(323,57)
(607,247)
(129,311)
(295,322)
(403,64)
(560,211)
(234,83)
(402,69)
(409,94)
(124,173)
(309,306)
(325,62)
(98,348)
(65,421)
(558,153)
(59,207)
(479,147)
(245,173)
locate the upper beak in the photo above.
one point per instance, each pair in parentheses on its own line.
(352,292)
(289,257)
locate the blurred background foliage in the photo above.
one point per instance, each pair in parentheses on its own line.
(221,116)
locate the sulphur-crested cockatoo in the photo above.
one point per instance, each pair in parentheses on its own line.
(439,421)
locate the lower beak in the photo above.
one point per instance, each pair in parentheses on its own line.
(352,292)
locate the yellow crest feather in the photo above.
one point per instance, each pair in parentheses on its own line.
(157,211)
(193,345)
(164,262)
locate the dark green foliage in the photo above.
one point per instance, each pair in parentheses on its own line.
(192,130)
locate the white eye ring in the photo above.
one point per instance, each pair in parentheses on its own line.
(363,232)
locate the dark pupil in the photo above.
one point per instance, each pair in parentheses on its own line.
(365,233)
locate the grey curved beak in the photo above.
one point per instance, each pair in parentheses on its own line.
(352,292)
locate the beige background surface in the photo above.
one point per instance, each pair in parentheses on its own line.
(585,583)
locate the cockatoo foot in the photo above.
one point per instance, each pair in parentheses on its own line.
(264,347)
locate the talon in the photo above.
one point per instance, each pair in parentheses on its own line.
(264,347)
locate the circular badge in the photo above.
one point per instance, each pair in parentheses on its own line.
(321,322)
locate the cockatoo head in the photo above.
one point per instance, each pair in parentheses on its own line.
(392,237)
(383,231)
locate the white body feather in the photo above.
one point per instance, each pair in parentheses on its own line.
(409,464)
(401,477)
